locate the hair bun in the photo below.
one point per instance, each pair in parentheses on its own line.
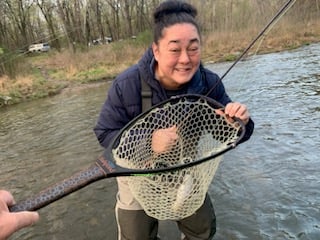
(173,7)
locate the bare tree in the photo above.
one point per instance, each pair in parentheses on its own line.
(114,22)
(128,16)
(48,8)
(18,13)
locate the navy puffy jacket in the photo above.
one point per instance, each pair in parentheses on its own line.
(123,102)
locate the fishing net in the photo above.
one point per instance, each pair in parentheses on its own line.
(202,133)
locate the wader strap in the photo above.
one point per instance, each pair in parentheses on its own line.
(146,95)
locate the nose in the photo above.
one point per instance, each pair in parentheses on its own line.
(184,57)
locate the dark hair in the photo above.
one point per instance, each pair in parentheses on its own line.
(171,12)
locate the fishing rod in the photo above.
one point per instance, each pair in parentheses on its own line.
(282,10)
(220,136)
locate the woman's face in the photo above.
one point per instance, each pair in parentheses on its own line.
(177,54)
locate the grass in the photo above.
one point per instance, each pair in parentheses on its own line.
(46,74)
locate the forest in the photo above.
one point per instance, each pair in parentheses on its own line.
(73,28)
(63,22)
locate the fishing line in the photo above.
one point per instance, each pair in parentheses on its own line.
(265,30)
(262,39)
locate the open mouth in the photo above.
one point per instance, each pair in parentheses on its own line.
(183,70)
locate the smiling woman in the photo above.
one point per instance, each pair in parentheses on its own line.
(171,67)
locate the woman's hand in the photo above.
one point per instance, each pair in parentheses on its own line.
(237,110)
(164,139)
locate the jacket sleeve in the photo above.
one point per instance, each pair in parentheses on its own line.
(123,103)
(249,131)
(112,117)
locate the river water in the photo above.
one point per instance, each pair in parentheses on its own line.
(266,188)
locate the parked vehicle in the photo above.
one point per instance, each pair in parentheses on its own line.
(100,41)
(40,47)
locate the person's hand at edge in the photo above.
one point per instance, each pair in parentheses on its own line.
(12,222)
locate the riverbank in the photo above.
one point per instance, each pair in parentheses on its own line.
(51,73)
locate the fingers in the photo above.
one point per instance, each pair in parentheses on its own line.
(164,139)
(25,219)
(12,222)
(237,110)
(219,111)
(6,198)
(172,133)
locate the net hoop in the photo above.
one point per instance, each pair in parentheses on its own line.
(203,134)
